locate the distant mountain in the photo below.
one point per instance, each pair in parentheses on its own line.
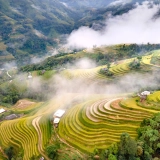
(87,3)
(33,27)
(96,4)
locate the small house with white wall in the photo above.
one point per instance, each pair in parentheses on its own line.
(29,75)
(143,95)
(57,116)
(2,110)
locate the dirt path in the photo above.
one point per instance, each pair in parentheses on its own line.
(23,103)
(1,150)
(37,127)
(9,75)
(107,105)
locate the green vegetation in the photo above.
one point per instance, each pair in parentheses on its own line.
(52,151)
(100,123)
(106,70)
(155,58)
(135,64)
(9,152)
(21,87)
(26,28)
(102,56)
(23,136)
(145,147)
(95,126)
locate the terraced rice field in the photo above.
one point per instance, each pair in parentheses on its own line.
(84,74)
(156,58)
(94,75)
(95,123)
(31,132)
(121,68)
(99,123)
(21,134)
(148,59)
(118,69)
(154,97)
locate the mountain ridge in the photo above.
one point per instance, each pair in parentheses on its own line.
(33,27)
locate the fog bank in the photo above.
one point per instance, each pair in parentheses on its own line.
(139,25)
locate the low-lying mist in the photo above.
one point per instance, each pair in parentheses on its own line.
(139,25)
(60,84)
(82,82)
(129,83)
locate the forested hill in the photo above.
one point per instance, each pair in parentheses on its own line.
(102,56)
(29,27)
(95,3)
(33,27)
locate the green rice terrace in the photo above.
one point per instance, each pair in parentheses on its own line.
(99,123)
(92,122)
(118,68)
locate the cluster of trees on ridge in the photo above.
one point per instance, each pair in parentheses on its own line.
(145,147)
(134,65)
(12,92)
(117,53)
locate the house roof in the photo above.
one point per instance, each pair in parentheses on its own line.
(59,113)
(12,116)
(2,110)
(29,76)
(145,93)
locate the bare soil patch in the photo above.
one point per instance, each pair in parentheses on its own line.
(23,104)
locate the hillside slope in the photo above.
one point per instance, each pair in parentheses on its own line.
(33,27)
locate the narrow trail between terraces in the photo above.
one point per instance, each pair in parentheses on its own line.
(35,124)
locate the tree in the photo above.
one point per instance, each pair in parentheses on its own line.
(139,58)
(52,150)
(127,146)
(113,149)
(108,65)
(149,134)
(9,152)
(147,156)
(112,157)
(139,150)
(135,64)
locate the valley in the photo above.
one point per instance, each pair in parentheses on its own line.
(79,80)
(95,117)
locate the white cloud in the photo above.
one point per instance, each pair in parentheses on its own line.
(136,26)
(83,63)
(119,2)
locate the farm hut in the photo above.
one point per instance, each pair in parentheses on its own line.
(29,75)
(57,115)
(143,95)
(56,121)
(2,110)
(10,117)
